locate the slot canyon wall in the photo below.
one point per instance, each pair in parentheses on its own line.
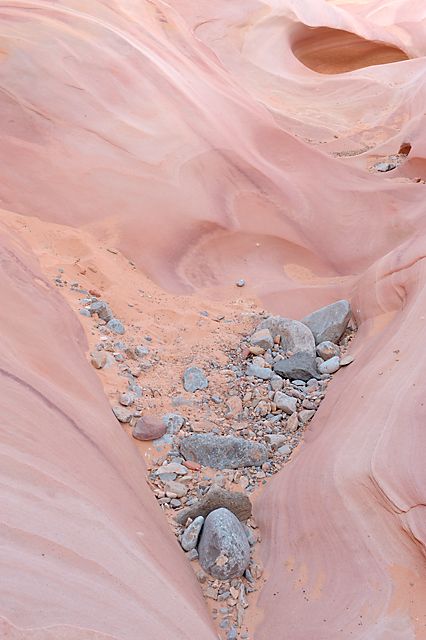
(205,140)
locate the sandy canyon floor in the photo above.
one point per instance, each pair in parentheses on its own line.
(155,154)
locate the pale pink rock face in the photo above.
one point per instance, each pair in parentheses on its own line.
(191,135)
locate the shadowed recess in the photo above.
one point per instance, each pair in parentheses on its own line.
(326,50)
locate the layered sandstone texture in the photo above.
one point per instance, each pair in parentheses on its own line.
(209,142)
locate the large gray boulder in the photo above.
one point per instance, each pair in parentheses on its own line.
(295,336)
(223,550)
(223,452)
(301,366)
(330,322)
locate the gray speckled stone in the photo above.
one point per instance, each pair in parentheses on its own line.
(102,310)
(191,534)
(223,550)
(301,366)
(327,350)
(194,379)
(295,336)
(116,326)
(173,422)
(223,452)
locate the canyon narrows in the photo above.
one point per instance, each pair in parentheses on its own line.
(202,168)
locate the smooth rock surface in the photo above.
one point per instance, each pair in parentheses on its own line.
(83,542)
(223,550)
(330,366)
(223,452)
(295,336)
(149,428)
(330,322)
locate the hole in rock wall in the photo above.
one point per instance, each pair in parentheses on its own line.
(329,51)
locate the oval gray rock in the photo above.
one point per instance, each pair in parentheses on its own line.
(223,550)
(223,452)
(330,322)
(191,534)
(330,366)
(295,336)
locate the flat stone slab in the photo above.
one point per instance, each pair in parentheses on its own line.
(301,366)
(235,501)
(223,452)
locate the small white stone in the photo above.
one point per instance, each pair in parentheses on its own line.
(330,366)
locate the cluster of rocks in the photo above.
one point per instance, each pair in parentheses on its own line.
(393,161)
(129,358)
(204,476)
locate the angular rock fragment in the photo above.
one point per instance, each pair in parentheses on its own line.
(235,501)
(330,322)
(173,422)
(102,310)
(286,403)
(223,550)
(122,414)
(194,379)
(295,336)
(223,452)
(301,366)
(262,338)
(98,359)
(276,440)
(177,488)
